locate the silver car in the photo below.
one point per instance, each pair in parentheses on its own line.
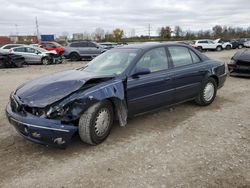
(35,55)
(7,47)
(82,49)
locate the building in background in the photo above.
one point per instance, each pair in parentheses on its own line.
(27,39)
(4,40)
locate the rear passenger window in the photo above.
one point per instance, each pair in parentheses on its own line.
(19,50)
(83,44)
(180,56)
(92,45)
(74,44)
(195,58)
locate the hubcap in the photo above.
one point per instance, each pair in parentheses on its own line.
(102,122)
(45,61)
(208,92)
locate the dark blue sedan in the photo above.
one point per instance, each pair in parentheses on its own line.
(120,83)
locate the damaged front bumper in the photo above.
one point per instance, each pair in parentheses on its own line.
(239,70)
(40,130)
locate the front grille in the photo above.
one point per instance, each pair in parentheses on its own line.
(35,111)
(243,63)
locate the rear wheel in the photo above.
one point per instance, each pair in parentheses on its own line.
(240,46)
(96,122)
(228,47)
(207,93)
(74,56)
(199,48)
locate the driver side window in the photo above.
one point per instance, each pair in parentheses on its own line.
(155,60)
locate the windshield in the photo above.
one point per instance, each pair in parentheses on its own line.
(56,44)
(112,62)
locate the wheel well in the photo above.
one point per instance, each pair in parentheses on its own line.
(74,52)
(216,79)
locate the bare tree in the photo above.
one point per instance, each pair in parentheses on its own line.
(99,34)
(217,31)
(177,31)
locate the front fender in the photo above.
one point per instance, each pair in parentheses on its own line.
(112,90)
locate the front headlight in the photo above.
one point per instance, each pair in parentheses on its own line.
(232,61)
(56,111)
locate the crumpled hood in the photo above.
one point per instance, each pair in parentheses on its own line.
(243,55)
(51,88)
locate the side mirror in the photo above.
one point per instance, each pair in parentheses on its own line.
(140,71)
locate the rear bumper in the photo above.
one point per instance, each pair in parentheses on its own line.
(40,130)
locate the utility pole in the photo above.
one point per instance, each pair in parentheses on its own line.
(37,29)
(149,31)
(16,29)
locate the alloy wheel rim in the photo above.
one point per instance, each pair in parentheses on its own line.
(102,122)
(45,61)
(208,92)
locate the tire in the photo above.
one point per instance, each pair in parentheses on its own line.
(218,48)
(199,48)
(240,46)
(207,93)
(98,114)
(45,61)
(74,56)
(228,47)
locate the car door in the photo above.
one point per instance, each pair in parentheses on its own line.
(94,49)
(33,54)
(188,72)
(204,44)
(23,51)
(146,92)
(84,49)
(212,45)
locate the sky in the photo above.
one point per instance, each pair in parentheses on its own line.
(133,16)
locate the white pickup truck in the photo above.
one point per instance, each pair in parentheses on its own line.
(207,44)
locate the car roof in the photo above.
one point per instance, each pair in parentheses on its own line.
(149,45)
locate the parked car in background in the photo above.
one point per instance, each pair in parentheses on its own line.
(34,55)
(247,44)
(207,44)
(52,46)
(9,60)
(240,63)
(108,45)
(7,47)
(225,45)
(120,83)
(237,43)
(82,49)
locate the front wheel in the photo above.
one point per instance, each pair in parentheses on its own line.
(240,46)
(74,56)
(207,93)
(218,48)
(45,61)
(96,122)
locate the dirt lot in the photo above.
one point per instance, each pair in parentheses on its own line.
(186,146)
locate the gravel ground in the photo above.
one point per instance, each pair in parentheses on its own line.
(185,146)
